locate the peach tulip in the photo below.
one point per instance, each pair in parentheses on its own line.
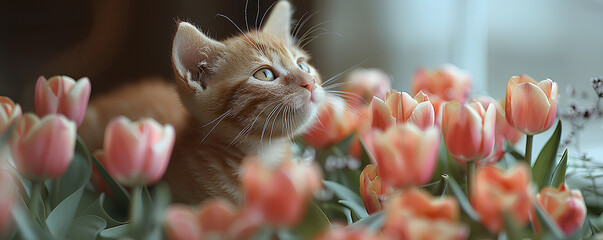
(503,131)
(62,94)
(367,83)
(468,130)
(43,148)
(415,214)
(137,153)
(531,106)
(214,219)
(446,83)
(499,193)
(405,108)
(278,195)
(9,112)
(406,155)
(371,189)
(335,121)
(339,232)
(379,115)
(565,206)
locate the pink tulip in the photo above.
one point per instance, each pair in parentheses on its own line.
(9,112)
(335,121)
(182,224)
(137,153)
(504,131)
(406,155)
(468,130)
(43,148)
(531,106)
(367,83)
(499,193)
(8,198)
(415,214)
(565,206)
(379,115)
(371,189)
(278,195)
(405,108)
(62,94)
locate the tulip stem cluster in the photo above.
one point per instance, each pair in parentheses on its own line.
(36,194)
(528,156)
(470,180)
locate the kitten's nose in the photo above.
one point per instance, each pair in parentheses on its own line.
(308,85)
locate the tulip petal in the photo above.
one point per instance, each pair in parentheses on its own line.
(530,108)
(74,103)
(380,116)
(423,115)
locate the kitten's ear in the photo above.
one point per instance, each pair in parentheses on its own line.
(279,21)
(194,56)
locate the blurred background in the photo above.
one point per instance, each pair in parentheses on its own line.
(116,42)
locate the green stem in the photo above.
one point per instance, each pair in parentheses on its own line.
(528,156)
(54,195)
(36,196)
(135,208)
(470,180)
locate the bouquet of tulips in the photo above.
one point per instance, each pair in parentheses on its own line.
(377,164)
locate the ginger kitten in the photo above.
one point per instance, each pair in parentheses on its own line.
(247,94)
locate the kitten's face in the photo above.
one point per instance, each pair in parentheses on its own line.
(258,82)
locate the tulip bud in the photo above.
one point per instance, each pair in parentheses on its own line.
(565,206)
(415,214)
(531,106)
(468,130)
(62,94)
(417,110)
(278,195)
(367,83)
(499,193)
(137,153)
(43,148)
(9,112)
(371,189)
(335,121)
(405,154)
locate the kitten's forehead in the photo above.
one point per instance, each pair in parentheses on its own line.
(269,46)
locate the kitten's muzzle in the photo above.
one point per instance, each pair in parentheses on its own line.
(309,85)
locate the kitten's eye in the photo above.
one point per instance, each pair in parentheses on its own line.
(264,74)
(303,66)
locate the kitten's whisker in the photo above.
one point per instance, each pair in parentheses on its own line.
(297,24)
(336,77)
(207,124)
(249,41)
(319,35)
(268,121)
(306,20)
(246,22)
(335,85)
(212,129)
(248,128)
(267,10)
(257,15)
(308,33)
(274,122)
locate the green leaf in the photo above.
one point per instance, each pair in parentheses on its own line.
(115,232)
(27,229)
(456,191)
(559,173)
(453,169)
(545,163)
(75,178)
(347,195)
(96,208)
(314,222)
(547,225)
(440,187)
(367,156)
(4,136)
(61,218)
(344,145)
(359,210)
(120,194)
(512,229)
(86,227)
(372,223)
